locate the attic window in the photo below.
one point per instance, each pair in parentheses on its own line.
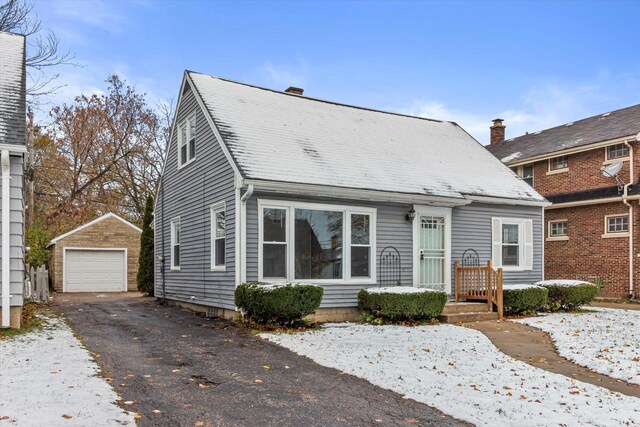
(187,141)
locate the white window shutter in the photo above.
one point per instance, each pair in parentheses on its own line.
(496,242)
(528,244)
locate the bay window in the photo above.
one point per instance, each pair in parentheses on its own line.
(316,243)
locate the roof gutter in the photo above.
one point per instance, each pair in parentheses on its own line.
(503,201)
(354,193)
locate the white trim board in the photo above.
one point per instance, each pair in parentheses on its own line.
(126,264)
(90,223)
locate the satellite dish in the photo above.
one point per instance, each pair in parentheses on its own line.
(612,170)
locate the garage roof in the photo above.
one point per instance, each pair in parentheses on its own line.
(89,224)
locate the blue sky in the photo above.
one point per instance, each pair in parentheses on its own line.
(535,64)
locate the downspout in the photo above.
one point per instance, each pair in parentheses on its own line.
(631,218)
(6,239)
(243,233)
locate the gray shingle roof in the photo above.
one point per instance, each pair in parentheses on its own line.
(12,89)
(275,136)
(603,127)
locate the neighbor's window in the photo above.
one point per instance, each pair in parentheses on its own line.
(218,237)
(187,141)
(510,244)
(558,163)
(525,172)
(558,228)
(617,151)
(175,244)
(318,243)
(617,224)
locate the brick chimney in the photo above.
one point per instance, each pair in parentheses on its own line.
(294,90)
(497,131)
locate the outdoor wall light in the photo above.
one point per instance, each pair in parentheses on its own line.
(411,215)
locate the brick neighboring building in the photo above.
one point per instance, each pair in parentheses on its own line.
(592,227)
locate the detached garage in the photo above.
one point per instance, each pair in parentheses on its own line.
(99,256)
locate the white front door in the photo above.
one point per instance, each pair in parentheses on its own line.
(432,248)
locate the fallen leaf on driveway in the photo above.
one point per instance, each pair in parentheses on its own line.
(203,386)
(66,416)
(258,381)
(199,423)
(266,366)
(175,370)
(157,411)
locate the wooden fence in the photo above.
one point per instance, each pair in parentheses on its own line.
(479,284)
(36,284)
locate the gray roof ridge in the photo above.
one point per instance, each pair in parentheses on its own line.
(310,98)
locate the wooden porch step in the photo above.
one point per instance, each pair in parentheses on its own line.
(452,307)
(468,317)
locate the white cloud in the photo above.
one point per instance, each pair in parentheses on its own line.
(541,107)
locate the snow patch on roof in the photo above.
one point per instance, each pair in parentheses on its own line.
(274,136)
(12,89)
(511,157)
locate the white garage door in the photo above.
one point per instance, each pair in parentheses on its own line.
(94,270)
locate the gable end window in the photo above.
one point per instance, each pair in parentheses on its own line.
(618,151)
(616,225)
(316,242)
(175,243)
(557,164)
(512,243)
(187,141)
(525,172)
(218,237)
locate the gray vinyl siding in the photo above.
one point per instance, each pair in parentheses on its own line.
(392,229)
(17,229)
(472,230)
(188,193)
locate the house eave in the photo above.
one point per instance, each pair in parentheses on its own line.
(354,193)
(505,201)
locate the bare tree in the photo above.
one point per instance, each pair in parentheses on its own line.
(43,51)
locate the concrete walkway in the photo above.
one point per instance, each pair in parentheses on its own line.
(535,347)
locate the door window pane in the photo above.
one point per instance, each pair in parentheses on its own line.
(318,244)
(274,225)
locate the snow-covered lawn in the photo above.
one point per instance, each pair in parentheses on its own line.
(606,341)
(460,372)
(47,378)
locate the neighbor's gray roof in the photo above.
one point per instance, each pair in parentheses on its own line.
(603,127)
(12,89)
(276,136)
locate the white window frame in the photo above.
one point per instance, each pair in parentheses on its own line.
(214,211)
(289,207)
(191,157)
(175,222)
(551,171)
(551,237)
(608,159)
(525,247)
(613,234)
(519,170)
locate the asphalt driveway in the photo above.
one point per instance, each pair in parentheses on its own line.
(180,369)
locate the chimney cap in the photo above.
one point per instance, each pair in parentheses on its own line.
(294,90)
(497,121)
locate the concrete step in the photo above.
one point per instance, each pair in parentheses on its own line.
(465,307)
(468,317)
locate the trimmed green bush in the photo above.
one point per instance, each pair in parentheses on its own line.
(402,306)
(565,296)
(280,304)
(524,300)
